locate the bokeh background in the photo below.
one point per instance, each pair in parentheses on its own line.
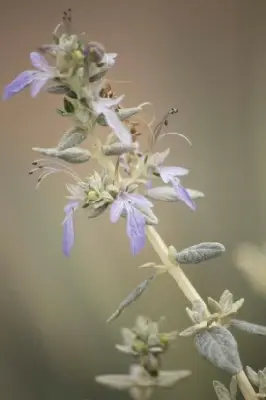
(206,57)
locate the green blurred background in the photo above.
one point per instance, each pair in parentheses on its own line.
(206,57)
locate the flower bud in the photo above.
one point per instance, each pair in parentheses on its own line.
(117,149)
(74,155)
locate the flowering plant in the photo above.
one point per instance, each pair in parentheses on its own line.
(129,180)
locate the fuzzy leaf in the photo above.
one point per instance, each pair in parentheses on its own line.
(214,305)
(72,138)
(249,327)
(221,391)
(138,393)
(170,378)
(200,252)
(74,155)
(233,388)
(226,301)
(68,106)
(118,149)
(120,382)
(136,293)
(219,347)
(253,376)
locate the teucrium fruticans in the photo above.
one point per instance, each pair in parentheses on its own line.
(130,177)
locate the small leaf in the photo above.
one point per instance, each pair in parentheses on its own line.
(262,380)
(214,305)
(226,301)
(192,330)
(73,137)
(199,311)
(253,376)
(74,155)
(221,391)
(58,89)
(170,378)
(120,382)
(219,347)
(200,252)
(238,304)
(249,327)
(68,106)
(233,388)
(136,293)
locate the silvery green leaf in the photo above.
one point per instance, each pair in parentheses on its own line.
(214,305)
(139,393)
(92,212)
(58,89)
(73,155)
(118,149)
(262,380)
(120,382)
(200,252)
(125,349)
(168,379)
(192,330)
(199,311)
(133,296)
(238,304)
(221,391)
(253,376)
(233,388)
(226,301)
(72,138)
(168,193)
(219,347)
(249,327)
(128,336)
(191,316)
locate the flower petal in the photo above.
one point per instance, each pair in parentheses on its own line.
(167,173)
(18,84)
(116,210)
(183,194)
(135,229)
(139,200)
(39,62)
(38,84)
(68,228)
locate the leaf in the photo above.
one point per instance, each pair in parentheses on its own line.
(73,137)
(192,330)
(68,106)
(253,376)
(117,149)
(221,391)
(136,293)
(200,252)
(170,378)
(199,311)
(214,305)
(226,301)
(219,347)
(233,388)
(120,382)
(249,327)
(262,380)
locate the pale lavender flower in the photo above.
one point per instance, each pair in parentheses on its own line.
(36,79)
(68,227)
(130,204)
(171,175)
(105,107)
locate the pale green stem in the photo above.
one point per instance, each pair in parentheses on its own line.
(191,294)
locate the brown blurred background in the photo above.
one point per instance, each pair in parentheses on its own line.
(206,57)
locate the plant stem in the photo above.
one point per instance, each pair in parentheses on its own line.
(191,294)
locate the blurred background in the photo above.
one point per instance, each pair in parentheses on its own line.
(205,57)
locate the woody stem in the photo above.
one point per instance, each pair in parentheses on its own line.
(191,294)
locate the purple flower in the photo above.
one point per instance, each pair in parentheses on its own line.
(130,205)
(36,79)
(104,106)
(68,227)
(170,175)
